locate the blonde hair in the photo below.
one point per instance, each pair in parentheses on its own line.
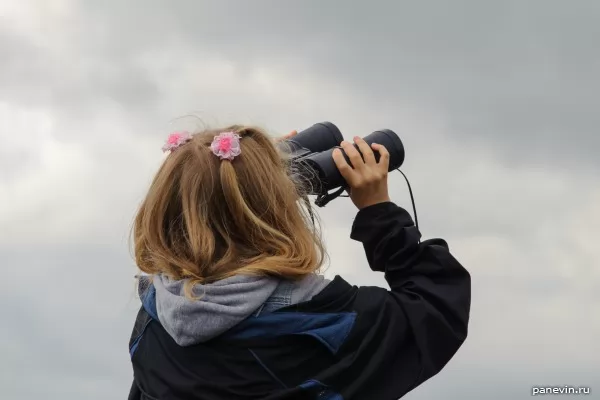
(205,219)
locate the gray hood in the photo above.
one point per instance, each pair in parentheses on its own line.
(224,304)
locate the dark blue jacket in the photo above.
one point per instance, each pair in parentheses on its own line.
(347,342)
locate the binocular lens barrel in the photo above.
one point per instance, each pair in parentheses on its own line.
(319,137)
(316,145)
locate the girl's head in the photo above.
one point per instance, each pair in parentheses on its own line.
(207,218)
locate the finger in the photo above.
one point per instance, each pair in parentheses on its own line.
(353,155)
(286,137)
(291,134)
(365,150)
(384,156)
(342,165)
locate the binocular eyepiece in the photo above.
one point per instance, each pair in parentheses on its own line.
(311,156)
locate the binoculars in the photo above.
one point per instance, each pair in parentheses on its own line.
(310,152)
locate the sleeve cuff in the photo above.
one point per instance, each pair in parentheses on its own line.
(377,217)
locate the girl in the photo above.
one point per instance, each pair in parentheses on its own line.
(233,306)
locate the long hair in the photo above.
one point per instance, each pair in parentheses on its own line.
(205,219)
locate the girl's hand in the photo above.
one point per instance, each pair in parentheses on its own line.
(286,137)
(367,179)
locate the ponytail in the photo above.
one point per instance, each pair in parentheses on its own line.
(242,215)
(208,216)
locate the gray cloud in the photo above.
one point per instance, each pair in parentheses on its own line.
(522,75)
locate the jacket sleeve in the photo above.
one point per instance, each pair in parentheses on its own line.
(430,287)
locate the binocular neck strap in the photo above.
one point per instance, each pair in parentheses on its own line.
(323,199)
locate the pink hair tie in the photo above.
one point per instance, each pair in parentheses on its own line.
(226,145)
(176,140)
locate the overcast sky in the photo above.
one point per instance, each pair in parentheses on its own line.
(497,103)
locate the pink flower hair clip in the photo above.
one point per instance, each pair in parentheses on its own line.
(176,140)
(226,145)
